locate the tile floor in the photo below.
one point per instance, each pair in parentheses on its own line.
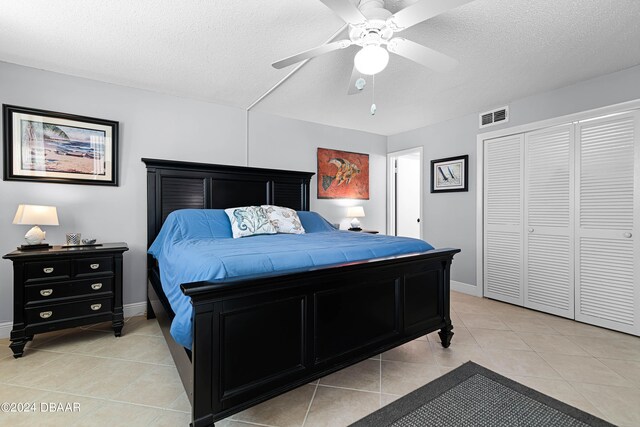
(131,381)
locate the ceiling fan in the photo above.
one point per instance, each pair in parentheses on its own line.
(371,27)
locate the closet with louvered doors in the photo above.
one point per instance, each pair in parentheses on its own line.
(548,218)
(503,190)
(566,243)
(607,253)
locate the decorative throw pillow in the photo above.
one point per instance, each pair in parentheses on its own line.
(249,221)
(284,219)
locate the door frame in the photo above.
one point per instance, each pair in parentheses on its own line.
(614,109)
(391,188)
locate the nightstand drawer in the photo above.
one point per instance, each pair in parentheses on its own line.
(86,266)
(49,291)
(56,312)
(47,270)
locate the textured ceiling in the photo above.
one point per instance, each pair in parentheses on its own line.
(221,51)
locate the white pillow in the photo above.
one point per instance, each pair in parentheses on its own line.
(284,219)
(249,221)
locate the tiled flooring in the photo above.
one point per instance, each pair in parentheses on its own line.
(131,381)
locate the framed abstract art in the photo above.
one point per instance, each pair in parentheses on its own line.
(342,175)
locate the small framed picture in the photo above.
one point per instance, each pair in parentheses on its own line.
(450,174)
(47,146)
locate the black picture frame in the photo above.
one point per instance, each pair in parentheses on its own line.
(454,165)
(90,155)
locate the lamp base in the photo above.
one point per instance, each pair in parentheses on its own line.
(33,247)
(35,236)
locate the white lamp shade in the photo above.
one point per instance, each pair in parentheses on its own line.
(371,59)
(355,212)
(36,215)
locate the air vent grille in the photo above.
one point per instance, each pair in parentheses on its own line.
(499,116)
(490,118)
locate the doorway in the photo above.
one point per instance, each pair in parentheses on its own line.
(405,193)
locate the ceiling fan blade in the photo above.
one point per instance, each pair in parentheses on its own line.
(355,75)
(345,10)
(311,53)
(421,11)
(422,55)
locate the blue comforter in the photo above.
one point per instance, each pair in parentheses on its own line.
(193,245)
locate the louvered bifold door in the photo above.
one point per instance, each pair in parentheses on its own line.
(503,158)
(607,165)
(548,218)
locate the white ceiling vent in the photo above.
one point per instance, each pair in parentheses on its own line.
(495,117)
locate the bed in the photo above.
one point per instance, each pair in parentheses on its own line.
(256,337)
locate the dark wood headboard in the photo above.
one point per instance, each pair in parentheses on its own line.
(173,185)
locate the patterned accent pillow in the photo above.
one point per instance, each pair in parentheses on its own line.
(284,219)
(249,221)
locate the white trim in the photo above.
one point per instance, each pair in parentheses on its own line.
(5,329)
(480,216)
(391,196)
(134,309)
(466,288)
(482,137)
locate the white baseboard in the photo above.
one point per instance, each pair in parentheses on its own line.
(135,309)
(5,329)
(466,288)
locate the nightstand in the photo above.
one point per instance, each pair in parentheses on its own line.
(366,231)
(65,287)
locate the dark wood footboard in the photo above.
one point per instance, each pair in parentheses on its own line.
(255,339)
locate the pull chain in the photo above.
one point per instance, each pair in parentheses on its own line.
(373,95)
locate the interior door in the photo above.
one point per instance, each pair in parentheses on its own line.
(548,217)
(503,200)
(408,200)
(608,162)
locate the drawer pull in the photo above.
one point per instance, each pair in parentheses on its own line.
(46,292)
(95,266)
(96,307)
(96,286)
(46,314)
(48,270)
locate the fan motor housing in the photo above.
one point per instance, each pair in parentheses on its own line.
(375,30)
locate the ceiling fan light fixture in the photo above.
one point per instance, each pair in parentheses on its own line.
(371,59)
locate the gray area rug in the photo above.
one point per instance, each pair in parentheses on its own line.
(475,396)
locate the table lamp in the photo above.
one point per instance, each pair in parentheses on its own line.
(36,216)
(355,212)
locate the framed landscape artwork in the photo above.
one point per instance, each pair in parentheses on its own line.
(342,175)
(450,174)
(47,146)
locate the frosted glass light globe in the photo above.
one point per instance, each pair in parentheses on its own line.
(371,59)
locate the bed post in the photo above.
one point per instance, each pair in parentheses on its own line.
(446,333)
(206,363)
(150,313)
(151,226)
